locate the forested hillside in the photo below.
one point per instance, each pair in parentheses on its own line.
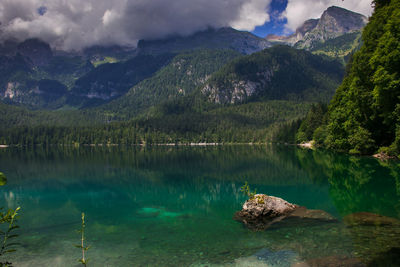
(252,122)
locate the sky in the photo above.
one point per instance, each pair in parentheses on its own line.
(75,24)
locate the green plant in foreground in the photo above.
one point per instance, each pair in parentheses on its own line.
(82,246)
(9,217)
(246,190)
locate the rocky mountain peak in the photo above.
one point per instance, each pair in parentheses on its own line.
(36,50)
(340,20)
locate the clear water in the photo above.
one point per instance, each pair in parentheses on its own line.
(167,206)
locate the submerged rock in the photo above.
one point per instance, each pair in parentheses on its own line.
(262,212)
(334,261)
(387,258)
(366,218)
(282,258)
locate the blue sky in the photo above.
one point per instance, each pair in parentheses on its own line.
(275,25)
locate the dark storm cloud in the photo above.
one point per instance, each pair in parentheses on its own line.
(75,24)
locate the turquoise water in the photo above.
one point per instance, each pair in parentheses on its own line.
(167,206)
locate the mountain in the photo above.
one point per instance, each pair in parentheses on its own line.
(112,80)
(334,23)
(224,38)
(37,51)
(278,73)
(98,74)
(33,75)
(179,78)
(364,114)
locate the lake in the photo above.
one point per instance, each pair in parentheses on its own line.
(173,206)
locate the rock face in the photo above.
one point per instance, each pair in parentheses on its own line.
(240,91)
(262,212)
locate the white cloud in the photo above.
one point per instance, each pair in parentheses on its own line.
(252,14)
(298,11)
(74,24)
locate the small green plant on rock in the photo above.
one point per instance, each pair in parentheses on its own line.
(82,246)
(260,199)
(246,190)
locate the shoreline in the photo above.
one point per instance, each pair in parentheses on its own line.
(143,145)
(308,145)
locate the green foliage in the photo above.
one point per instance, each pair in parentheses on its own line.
(83,260)
(245,189)
(314,119)
(14,116)
(363,114)
(320,135)
(286,132)
(339,47)
(3,179)
(8,218)
(361,142)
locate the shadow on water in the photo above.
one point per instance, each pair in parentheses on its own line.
(174,205)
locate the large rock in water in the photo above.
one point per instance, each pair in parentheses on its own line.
(262,212)
(266,206)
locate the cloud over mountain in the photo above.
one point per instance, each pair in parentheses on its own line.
(75,24)
(298,11)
